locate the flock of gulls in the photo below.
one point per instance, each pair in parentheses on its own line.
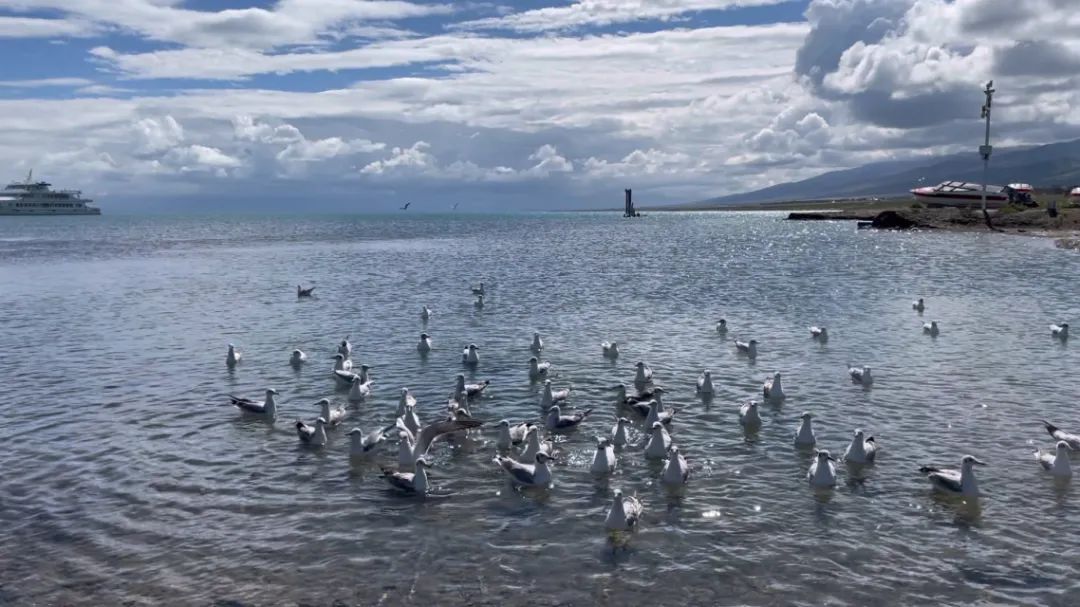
(525,449)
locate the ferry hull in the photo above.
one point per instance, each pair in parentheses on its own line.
(38,212)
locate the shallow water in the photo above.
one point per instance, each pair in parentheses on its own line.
(128,478)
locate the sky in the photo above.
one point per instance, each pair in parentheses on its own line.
(363,105)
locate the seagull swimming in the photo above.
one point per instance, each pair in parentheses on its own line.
(479,303)
(511,435)
(624,512)
(1059,434)
(1057,464)
(918,305)
(861,375)
(822,473)
(721,327)
(416,444)
(556,421)
(643,374)
(359,390)
(312,435)
(633,402)
(425,344)
(463,390)
(658,443)
(952,481)
(931,328)
(410,419)
(415,482)
(675,471)
(407,399)
(333,416)
(537,369)
(804,436)
(343,370)
(618,432)
(1060,331)
(550,397)
(345,348)
(604,459)
(773,390)
(361,444)
(530,475)
(342,362)
(425,313)
(748,416)
(819,333)
(298,358)
(611,349)
(478,290)
(469,355)
(704,383)
(533,445)
(302,292)
(233,356)
(862,449)
(747,348)
(266,408)
(657,413)
(537,343)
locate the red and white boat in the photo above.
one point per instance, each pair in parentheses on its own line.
(1023,188)
(960,193)
(1074,195)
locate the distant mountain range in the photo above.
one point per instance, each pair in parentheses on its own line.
(1055,164)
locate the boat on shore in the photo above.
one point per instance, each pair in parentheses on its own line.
(961,194)
(38,198)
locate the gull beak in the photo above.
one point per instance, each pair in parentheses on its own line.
(978,461)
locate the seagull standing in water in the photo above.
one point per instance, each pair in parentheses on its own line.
(773,390)
(534,445)
(618,432)
(611,349)
(537,344)
(747,348)
(704,384)
(530,475)
(804,436)
(412,483)
(333,416)
(551,397)
(819,333)
(416,444)
(556,421)
(266,408)
(676,471)
(1057,463)
(298,358)
(312,435)
(233,356)
(1071,439)
(1060,331)
(361,444)
(425,344)
(952,481)
(604,459)
(749,417)
(918,305)
(511,435)
(862,449)
(537,369)
(425,313)
(931,328)
(658,443)
(624,513)
(861,375)
(469,355)
(822,473)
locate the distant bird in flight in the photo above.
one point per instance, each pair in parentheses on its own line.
(455,206)
(406,207)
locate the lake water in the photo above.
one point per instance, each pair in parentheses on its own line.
(128,479)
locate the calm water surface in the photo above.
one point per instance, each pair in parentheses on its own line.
(127,478)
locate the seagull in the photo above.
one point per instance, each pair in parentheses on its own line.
(861,450)
(511,435)
(658,414)
(479,303)
(748,416)
(530,475)
(1059,434)
(624,513)
(413,483)
(478,290)
(298,358)
(537,343)
(804,436)
(1060,331)
(406,207)
(556,421)
(550,397)
(425,344)
(822,473)
(819,333)
(333,416)
(425,313)
(643,375)
(469,355)
(918,305)
(342,372)
(747,348)
(931,328)
(704,383)
(533,445)
(773,390)
(464,390)
(658,443)
(342,362)
(266,408)
(675,471)
(360,390)
(604,459)
(1058,464)
(638,403)
(302,292)
(312,435)
(618,432)
(956,482)
(345,348)
(611,349)
(721,326)
(861,375)
(233,356)
(361,444)
(416,444)
(454,208)
(537,369)
(410,419)
(407,399)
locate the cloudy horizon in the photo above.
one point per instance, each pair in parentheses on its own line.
(362,105)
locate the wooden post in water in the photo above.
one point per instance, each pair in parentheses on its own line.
(629,204)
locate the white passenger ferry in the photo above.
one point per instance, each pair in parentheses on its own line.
(37,198)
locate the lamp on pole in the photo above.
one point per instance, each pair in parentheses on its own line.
(986,148)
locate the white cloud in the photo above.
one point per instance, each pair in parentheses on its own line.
(642,163)
(549,161)
(46,82)
(201,158)
(158,134)
(30,27)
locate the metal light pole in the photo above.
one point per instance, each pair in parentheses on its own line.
(986,148)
